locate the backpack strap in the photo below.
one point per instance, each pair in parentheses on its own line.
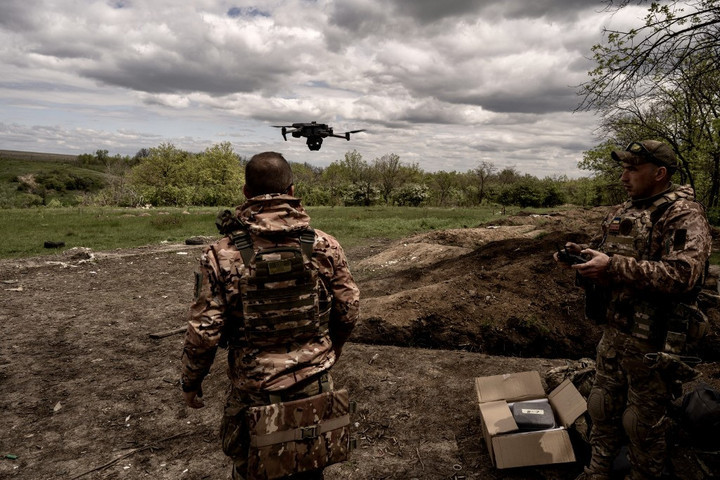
(656,210)
(242,241)
(307,241)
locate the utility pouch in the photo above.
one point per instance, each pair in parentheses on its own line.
(697,322)
(687,324)
(674,342)
(298,435)
(644,319)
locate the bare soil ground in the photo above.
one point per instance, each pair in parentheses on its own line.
(86,393)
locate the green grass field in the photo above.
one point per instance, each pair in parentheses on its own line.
(24,231)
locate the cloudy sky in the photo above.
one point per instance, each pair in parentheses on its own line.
(445,84)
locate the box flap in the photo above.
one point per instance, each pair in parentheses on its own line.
(567,402)
(532,448)
(497,417)
(510,387)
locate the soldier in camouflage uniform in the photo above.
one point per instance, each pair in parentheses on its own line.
(262,376)
(647,267)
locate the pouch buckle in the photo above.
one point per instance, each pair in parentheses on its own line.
(308,432)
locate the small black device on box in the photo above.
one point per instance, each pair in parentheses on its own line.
(533,415)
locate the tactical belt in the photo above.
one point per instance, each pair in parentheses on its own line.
(692,361)
(323,381)
(300,433)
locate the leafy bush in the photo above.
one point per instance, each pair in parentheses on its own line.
(411,195)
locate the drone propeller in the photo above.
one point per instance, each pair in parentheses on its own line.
(346,135)
(284,130)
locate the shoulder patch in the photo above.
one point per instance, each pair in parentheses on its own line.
(679,239)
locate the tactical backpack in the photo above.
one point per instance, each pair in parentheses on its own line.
(283,299)
(700,417)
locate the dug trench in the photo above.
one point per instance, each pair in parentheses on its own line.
(86,393)
(494,289)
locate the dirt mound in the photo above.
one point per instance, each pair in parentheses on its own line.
(493,289)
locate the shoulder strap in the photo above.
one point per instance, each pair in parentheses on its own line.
(660,205)
(307,241)
(242,241)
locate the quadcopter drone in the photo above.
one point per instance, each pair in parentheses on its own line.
(315,132)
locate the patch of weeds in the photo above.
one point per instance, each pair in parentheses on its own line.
(166,222)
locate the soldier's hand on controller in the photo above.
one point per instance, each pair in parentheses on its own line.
(595,267)
(571,248)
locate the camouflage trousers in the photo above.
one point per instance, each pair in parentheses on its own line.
(628,403)
(234,429)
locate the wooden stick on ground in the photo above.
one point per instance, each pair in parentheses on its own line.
(168,333)
(131,452)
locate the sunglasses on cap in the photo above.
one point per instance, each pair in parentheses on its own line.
(638,149)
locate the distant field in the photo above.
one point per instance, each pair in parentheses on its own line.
(24,231)
(37,156)
(14,164)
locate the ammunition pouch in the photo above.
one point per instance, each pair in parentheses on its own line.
(645,321)
(297,436)
(686,325)
(671,327)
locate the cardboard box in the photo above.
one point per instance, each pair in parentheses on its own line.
(510,447)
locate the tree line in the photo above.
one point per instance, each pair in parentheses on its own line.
(168,176)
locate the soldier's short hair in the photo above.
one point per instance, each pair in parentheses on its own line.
(268,172)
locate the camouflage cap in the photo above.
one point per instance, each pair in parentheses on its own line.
(651,151)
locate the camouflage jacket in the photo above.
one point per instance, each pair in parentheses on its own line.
(217,305)
(669,260)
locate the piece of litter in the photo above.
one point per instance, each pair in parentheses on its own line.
(181,253)
(57,407)
(10,456)
(127,419)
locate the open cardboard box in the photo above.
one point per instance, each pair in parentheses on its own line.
(510,447)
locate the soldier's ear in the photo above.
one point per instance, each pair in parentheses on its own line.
(662,173)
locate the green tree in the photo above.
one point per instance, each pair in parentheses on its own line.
(660,80)
(444,186)
(630,62)
(482,175)
(215,176)
(361,177)
(389,175)
(170,176)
